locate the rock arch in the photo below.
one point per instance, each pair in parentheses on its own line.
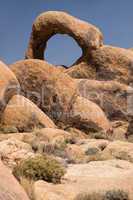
(56,22)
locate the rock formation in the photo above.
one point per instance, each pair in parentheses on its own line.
(74,125)
(57,95)
(105,63)
(50,23)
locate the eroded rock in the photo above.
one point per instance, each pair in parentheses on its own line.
(9,187)
(111,96)
(12,151)
(8,85)
(52,22)
(89,116)
(105,63)
(24,115)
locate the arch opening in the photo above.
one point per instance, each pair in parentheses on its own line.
(62,50)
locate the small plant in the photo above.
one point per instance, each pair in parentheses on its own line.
(85,196)
(109,195)
(116,195)
(39,168)
(8,129)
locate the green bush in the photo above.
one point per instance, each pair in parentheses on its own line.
(39,168)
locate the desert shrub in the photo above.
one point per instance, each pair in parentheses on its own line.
(8,129)
(39,168)
(109,195)
(116,195)
(85,196)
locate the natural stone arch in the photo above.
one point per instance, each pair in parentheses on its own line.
(50,23)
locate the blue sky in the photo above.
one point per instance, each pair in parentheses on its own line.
(113,17)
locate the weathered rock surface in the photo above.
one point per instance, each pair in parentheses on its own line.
(98,176)
(113,63)
(59,98)
(111,96)
(12,151)
(50,23)
(86,150)
(89,116)
(53,135)
(24,115)
(46,86)
(9,187)
(75,154)
(106,63)
(119,150)
(120,130)
(8,85)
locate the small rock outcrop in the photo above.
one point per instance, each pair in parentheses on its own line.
(10,189)
(111,96)
(12,151)
(89,116)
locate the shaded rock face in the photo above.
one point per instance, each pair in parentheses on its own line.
(8,85)
(111,96)
(50,23)
(105,63)
(24,115)
(9,187)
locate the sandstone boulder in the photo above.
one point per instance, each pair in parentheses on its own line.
(113,63)
(106,63)
(24,115)
(86,116)
(119,150)
(92,145)
(46,86)
(57,94)
(8,85)
(48,140)
(9,187)
(75,154)
(85,151)
(52,22)
(111,96)
(13,151)
(120,129)
(53,135)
